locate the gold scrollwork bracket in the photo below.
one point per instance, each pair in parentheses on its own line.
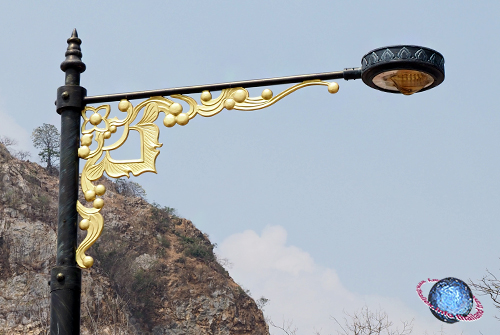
(100,128)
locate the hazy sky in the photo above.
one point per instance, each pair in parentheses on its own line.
(322,202)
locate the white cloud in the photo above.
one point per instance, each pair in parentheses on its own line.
(267,252)
(301,290)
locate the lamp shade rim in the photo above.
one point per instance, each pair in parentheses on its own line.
(400,46)
(402,57)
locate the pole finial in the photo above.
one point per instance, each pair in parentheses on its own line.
(73,54)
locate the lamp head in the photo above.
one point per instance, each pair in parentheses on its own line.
(405,69)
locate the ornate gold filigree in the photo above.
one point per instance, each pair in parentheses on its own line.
(99,127)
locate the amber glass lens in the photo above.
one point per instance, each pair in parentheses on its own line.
(404,81)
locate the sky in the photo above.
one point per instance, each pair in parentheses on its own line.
(322,203)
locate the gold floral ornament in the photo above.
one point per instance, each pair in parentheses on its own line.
(99,128)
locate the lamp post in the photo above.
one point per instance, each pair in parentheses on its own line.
(395,69)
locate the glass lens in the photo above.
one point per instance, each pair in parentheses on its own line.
(404,81)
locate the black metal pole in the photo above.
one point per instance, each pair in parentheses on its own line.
(66,277)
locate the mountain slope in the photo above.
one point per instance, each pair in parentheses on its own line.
(154,273)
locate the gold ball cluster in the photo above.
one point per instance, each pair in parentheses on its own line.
(95,119)
(86,140)
(90,195)
(241,95)
(175,116)
(238,96)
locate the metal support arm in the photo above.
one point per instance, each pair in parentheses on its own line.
(99,127)
(347,74)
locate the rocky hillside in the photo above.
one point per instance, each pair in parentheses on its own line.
(154,273)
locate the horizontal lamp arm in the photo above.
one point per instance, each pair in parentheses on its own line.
(347,74)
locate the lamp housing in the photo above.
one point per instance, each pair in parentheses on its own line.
(405,69)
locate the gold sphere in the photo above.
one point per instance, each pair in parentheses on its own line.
(88,261)
(95,119)
(98,203)
(267,94)
(206,96)
(100,189)
(107,134)
(86,139)
(239,95)
(123,105)
(175,108)
(84,224)
(333,87)
(83,152)
(112,129)
(182,119)
(169,120)
(229,104)
(90,195)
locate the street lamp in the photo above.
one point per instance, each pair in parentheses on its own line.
(396,69)
(403,69)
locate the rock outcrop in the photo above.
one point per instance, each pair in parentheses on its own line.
(154,273)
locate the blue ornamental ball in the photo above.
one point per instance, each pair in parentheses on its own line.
(451,295)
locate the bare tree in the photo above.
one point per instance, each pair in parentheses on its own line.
(226,263)
(22,155)
(7,141)
(489,285)
(10,142)
(262,302)
(286,327)
(366,322)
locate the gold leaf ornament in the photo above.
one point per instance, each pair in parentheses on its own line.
(98,127)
